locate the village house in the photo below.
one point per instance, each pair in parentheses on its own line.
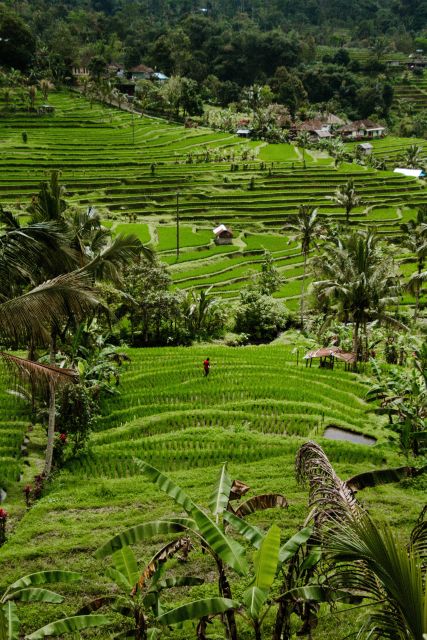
(223,235)
(320,127)
(141,72)
(361,129)
(80,72)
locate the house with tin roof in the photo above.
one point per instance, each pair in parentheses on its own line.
(362,129)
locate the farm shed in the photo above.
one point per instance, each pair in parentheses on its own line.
(243,133)
(365,147)
(327,355)
(45,108)
(223,235)
(412,173)
(321,134)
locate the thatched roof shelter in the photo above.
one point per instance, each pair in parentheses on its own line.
(333,353)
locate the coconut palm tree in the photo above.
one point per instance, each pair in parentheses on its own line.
(37,256)
(303,140)
(34,317)
(414,238)
(412,157)
(345,196)
(306,227)
(368,561)
(391,575)
(357,282)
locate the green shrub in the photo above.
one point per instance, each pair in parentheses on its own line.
(260,316)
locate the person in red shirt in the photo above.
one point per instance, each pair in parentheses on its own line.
(206,366)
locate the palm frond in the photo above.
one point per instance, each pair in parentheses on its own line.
(380,568)
(34,313)
(38,376)
(123,250)
(329,495)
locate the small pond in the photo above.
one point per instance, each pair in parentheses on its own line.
(336,433)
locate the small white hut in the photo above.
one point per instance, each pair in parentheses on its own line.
(223,235)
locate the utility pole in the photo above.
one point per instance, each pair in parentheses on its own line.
(177,226)
(130,100)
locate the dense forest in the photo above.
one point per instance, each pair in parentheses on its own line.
(297,53)
(238,40)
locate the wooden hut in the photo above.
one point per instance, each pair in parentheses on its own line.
(223,235)
(328,355)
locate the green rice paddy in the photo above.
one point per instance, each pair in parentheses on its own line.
(134,185)
(255,409)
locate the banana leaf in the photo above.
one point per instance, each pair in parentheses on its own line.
(9,622)
(143,532)
(68,625)
(221,493)
(196,610)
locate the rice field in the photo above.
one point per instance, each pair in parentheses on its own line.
(255,409)
(13,434)
(213,177)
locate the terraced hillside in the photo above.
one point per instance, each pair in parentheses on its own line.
(219,178)
(212,171)
(254,410)
(413,93)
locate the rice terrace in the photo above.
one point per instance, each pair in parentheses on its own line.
(213,380)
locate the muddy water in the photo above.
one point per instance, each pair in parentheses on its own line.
(335,433)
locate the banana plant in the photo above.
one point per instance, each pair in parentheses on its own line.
(28,589)
(266,561)
(207,532)
(297,561)
(139,600)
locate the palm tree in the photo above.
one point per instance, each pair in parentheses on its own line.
(303,140)
(413,156)
(33,317)
(367,560)
(375,564)
(345,196)
(414,239)
(306,227)
(38,255)
(356,282)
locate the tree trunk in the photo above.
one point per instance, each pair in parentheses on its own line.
(257,627)
(50,431)
(282,628)
(140,626)
(52,410)
(225,592)
(356,339)
(201,629)
(303,292)
(417,293)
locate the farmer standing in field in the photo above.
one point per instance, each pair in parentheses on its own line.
(206,367)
